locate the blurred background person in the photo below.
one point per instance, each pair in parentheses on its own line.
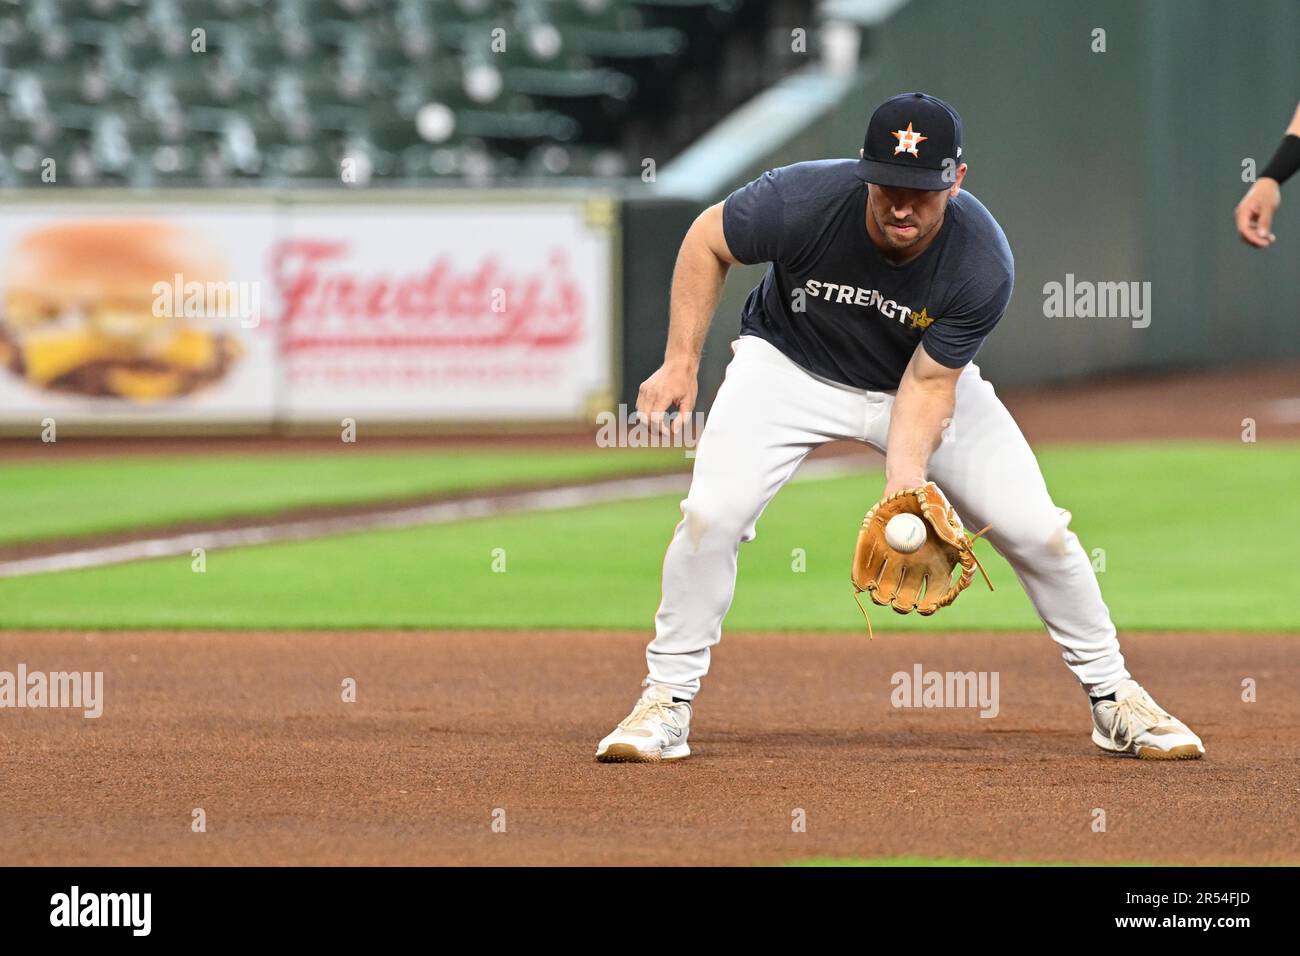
(1256,209)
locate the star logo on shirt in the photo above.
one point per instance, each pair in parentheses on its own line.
(908,140)
(922,319)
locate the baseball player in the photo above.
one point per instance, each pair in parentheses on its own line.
(1256,209)
(884,279)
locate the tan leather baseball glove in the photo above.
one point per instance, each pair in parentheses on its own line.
(923,580)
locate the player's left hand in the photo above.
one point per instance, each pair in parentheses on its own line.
(674,384)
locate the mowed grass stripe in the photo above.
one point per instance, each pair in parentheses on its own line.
(1184,549)
(61,498)
(919,861)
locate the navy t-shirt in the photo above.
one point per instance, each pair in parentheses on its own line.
(835,305)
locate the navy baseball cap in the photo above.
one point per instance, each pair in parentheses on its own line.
(908,139)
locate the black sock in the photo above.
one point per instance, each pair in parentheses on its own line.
(680,700)
(1109,697)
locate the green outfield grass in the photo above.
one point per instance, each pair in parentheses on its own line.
(915,861)
(1189,543)
(59,498)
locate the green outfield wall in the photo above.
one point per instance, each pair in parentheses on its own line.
(1122,165)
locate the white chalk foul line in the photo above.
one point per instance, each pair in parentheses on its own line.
(445,512)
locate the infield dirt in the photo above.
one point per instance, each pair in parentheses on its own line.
(453,731)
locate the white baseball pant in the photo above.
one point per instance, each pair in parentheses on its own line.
(770,413)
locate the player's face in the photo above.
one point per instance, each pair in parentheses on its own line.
(905,217)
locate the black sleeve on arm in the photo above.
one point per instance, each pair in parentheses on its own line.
(753,219)
(1285,161)
(954,338)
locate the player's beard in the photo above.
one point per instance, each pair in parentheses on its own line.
(896,241)
(902,244)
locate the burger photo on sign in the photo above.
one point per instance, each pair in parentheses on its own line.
(89,309)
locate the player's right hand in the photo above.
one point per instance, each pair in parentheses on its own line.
(673,384)
(1255,213)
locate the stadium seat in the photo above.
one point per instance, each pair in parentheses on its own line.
(163,92)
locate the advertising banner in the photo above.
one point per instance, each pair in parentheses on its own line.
(136,312)
(306,312)
(466,312)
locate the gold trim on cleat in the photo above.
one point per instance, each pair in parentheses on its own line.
(627,753)
(1184,752)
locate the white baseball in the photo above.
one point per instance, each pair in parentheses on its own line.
(905,533)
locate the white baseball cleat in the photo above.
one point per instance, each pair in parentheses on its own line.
(656,730)
(1135,724)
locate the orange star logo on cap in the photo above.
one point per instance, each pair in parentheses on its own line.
(908,140)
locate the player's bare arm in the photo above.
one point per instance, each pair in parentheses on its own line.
(698,277)
(923,407)
(1255,211)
